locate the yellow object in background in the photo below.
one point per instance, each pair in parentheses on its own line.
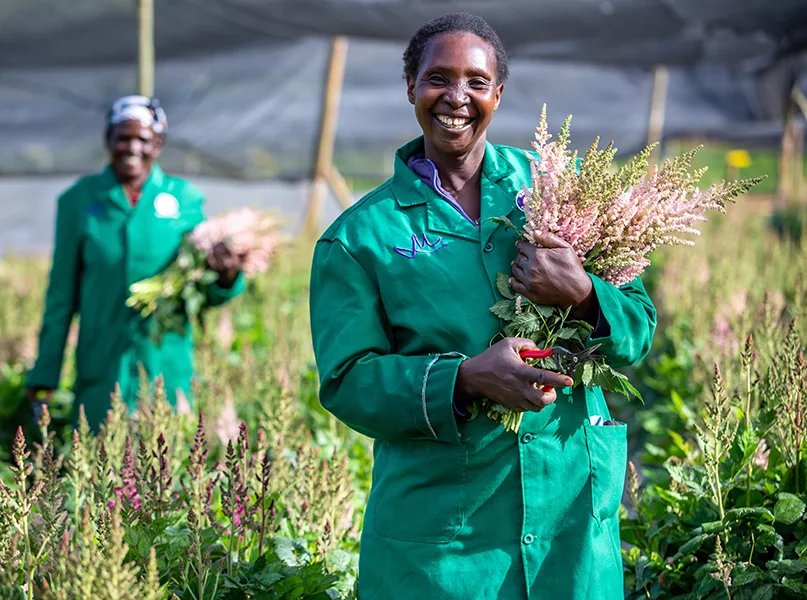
(738,159)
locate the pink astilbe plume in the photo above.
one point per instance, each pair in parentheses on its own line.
(612,219)
(251,236)
(615,219)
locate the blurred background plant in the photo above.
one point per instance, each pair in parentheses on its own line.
(263,495)
(715,499)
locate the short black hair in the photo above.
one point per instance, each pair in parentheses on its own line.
(455,23)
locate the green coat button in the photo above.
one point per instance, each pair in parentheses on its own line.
(526,438)
(528,539)
(489,247)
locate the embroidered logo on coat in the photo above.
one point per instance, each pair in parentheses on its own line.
(520,199)
(96,209)
(424,246)
(166,206)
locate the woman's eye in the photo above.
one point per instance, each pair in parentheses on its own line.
(437,79)
(479,84)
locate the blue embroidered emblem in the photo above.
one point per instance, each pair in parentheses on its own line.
(520,199)
(95,209)
(421,247)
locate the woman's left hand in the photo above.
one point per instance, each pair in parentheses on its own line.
(223,261)
(553,276)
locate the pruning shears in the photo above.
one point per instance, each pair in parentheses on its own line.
(565,361)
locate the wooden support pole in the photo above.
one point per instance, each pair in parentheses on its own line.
(798,155)
(340,187)
(145,47)
(798,162)
(784,191)
(323,167)
(658,107)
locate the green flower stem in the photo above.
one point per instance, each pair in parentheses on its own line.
(748,427)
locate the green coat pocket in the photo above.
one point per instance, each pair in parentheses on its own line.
(608,456)
(419,492)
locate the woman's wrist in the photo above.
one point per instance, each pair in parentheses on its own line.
(464,387)
(587,309)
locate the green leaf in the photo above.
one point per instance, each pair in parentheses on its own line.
(568,333)
(508,224)
(193,304)
(284,549)
(796,586)
(694,544)
(641,566)
(690,476)
(788,509)
(744,574)
(503,285)
(587,376)
(208,278)
(764,592)
(786,567)
(707,584)
(544,311)
(682,445)
(743,512)
(801,548)
(767,537)
(339,560)
(612,381)
(712,527)
(504,309)
(525,322)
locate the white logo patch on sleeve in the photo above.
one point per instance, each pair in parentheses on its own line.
(166,206)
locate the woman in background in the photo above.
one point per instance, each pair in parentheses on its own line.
(114,228)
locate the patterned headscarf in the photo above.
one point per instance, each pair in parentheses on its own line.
(138,108)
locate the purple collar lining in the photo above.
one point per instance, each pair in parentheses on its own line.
(426,170)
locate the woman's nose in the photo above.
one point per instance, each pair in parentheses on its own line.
(456,95)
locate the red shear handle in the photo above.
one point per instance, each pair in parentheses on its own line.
(538,354)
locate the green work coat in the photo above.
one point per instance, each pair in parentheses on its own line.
(102,246)
(400,291)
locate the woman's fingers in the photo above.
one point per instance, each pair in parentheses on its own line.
(539,399)
(541,377)
(518,271)
(521,344)
(547,240)
(519,288)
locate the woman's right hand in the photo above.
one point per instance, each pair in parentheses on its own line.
(501,375)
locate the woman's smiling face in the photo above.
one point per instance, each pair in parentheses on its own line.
(455,92)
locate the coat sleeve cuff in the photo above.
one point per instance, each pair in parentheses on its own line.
(217,295)
(602,330)
(437,396)
(36,378)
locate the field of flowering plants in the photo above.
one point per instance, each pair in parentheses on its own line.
(259,493)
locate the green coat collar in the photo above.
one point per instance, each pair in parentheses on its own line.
(409,190)
(113,190)
(442,218)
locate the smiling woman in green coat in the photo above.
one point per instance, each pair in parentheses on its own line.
(461,509)
(114,228)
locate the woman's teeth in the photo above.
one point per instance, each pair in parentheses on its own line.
(453,122)
(130,160)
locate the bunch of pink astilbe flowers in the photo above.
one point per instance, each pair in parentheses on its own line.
(250,236)
(179,293)
(613,219)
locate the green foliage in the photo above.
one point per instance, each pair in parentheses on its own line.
(725,517)
(287,467)
(549,326)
